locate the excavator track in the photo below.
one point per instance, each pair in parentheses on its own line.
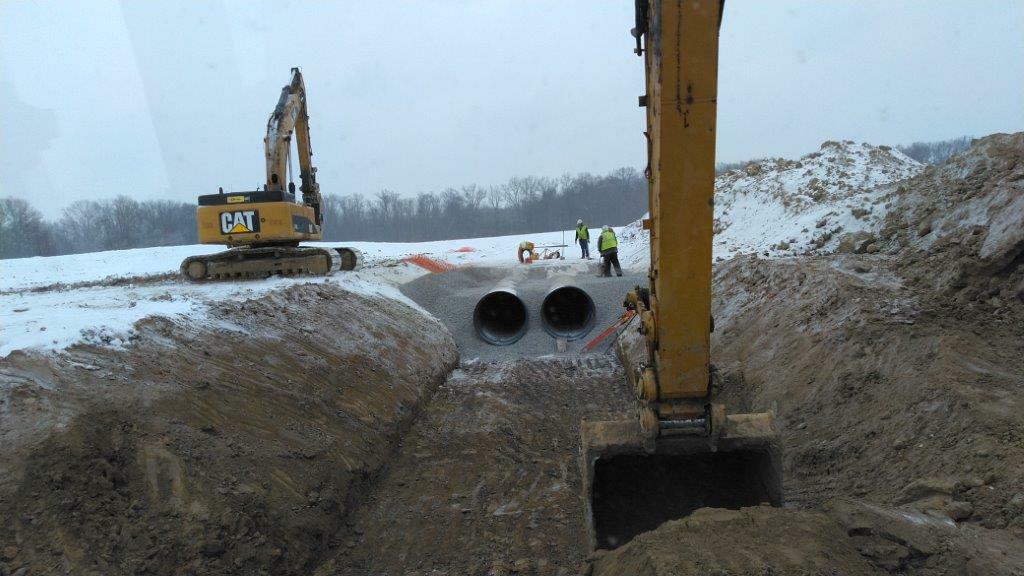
(238,263)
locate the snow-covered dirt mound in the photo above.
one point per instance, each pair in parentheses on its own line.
(232,445)
(781,207)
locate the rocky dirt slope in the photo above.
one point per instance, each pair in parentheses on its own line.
(234,447)
(897,378)
(960,226)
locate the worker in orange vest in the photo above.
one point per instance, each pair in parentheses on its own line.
(526,247)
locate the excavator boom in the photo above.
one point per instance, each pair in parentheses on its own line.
(290,116)
(683,451)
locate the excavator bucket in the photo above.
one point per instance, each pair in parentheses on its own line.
(639,473)
(633,483)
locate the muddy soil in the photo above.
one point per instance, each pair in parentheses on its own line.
(884,392)
(752,541)
(487,481)
(845,537)
(234,447)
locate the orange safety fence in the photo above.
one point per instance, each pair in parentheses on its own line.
(465,249)
(624,319)
(429,264)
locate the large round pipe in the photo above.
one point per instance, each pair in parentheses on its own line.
(500,317)
(568,312)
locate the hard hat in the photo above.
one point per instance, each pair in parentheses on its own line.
(578,222)
(605,228)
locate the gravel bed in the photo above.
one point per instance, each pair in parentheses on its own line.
(452,296)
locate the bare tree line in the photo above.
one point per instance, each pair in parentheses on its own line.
(94,225)
(936,152)
(520,206)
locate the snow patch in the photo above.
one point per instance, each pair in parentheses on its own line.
(781,207)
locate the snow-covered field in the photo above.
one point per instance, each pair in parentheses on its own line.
(51,303)
(774,208)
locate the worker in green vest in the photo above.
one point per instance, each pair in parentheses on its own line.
(583,237)
(608,246)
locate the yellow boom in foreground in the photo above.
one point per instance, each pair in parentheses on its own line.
(684,450)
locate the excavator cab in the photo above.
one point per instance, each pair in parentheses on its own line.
(682,450)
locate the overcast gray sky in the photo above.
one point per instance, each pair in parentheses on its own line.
(169,99)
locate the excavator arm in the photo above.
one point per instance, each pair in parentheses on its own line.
(291,117)
(683,450)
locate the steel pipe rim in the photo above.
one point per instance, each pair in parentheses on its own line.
(500,317)
(568,312)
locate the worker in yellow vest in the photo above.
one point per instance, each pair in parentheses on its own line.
(583,237)
(608,246)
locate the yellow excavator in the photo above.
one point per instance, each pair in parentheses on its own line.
(683,450)
(263,228)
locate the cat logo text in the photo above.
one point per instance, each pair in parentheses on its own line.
(240,222)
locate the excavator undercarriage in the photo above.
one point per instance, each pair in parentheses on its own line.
(269,261)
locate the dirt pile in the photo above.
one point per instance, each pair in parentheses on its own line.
(881,393)
(959,227)
(752,541)
(780,207)
(239,446)
(845,537)
(896,375)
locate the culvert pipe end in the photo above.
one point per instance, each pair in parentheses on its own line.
(568,312)
(500,318)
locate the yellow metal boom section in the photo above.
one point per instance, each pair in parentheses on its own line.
(682,70)
(684,452)
(291,116)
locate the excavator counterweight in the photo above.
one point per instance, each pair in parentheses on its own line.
(682,451)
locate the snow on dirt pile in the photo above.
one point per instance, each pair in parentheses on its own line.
(233,445)
(105,312)
(781,207)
